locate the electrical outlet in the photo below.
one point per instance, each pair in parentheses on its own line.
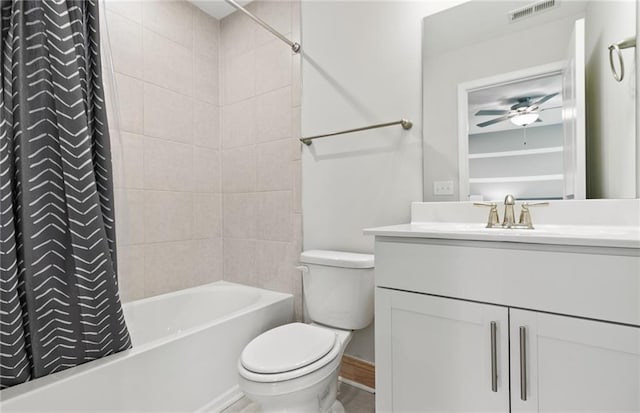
(443,187)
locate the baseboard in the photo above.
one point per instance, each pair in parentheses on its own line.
(358,371)
(356,385)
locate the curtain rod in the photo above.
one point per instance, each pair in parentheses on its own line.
(294,46)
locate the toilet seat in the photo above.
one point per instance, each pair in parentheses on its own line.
(286,348)
(288,352)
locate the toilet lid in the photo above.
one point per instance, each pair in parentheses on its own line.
(288,347)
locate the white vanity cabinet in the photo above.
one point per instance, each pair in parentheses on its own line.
(573,365)
(578,309)
(435,354)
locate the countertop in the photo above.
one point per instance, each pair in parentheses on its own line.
(578,235)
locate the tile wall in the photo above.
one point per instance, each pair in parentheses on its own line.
(260,150)
(166,145)
(206,157)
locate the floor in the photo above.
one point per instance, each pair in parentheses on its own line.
(353,399)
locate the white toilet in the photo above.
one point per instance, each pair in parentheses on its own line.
(294,367)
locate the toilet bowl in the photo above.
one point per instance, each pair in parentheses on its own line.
(294,367)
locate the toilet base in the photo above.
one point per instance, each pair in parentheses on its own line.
(337,407)
(317,395)
(315,392)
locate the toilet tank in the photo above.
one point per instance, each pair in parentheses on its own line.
(338,288)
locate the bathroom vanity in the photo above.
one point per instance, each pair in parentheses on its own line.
(476,319)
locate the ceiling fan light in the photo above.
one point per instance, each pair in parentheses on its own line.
(525,119)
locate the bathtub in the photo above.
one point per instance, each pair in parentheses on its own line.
(185,348)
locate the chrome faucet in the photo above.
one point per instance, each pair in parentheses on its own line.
(509,218)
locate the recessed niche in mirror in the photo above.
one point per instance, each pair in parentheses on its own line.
(523,101)
(514,139)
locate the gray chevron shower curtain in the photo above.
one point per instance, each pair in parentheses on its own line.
(59,302)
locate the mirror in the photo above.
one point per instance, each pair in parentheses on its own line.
(519,97)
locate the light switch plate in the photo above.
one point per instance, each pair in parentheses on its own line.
(443,187)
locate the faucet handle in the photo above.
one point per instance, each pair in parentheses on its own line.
(493,219)
(525,214)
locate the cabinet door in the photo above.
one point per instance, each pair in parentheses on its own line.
(435,354)
(573,365)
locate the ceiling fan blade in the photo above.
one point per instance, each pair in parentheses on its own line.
(554,107)
(519,99)
(544,99)
(491,112)
(493,121)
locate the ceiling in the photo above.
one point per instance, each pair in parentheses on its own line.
(217,8)
(505,95)
(487,19)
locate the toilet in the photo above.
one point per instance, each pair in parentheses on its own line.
(294,367)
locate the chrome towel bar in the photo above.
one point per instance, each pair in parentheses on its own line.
(617,47)
(406,125)
(294,46)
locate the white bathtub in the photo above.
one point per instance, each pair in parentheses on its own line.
(186,346)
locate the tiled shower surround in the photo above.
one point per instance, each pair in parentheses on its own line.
(206,156)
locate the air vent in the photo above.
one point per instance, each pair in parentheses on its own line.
(532,9)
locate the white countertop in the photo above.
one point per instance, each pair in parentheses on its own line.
(579,235)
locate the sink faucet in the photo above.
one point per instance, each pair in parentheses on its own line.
(509,218)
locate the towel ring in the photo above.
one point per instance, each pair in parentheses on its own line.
(617,48)
(617,76)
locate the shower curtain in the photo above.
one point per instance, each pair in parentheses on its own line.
(59,302)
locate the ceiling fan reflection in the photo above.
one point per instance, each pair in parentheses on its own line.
(525,112)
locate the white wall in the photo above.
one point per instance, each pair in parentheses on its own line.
(361,65)
(611,128)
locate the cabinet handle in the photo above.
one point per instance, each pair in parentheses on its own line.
(494,358)
(523,363)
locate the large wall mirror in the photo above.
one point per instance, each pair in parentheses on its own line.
(520,98)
